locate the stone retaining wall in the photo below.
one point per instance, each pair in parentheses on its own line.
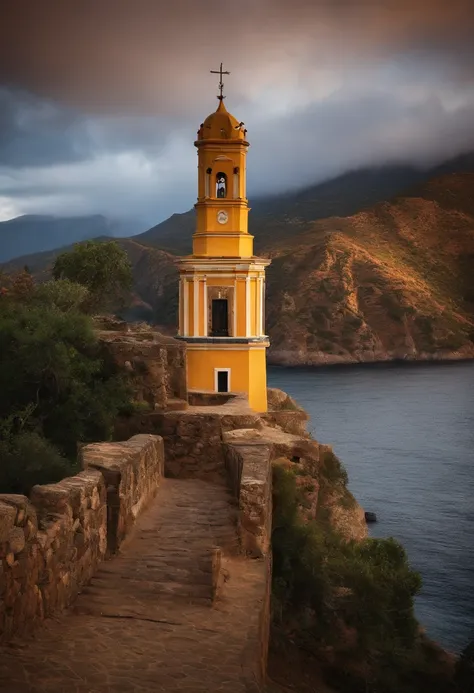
(249,473)
(52,543)
(156,363)
(293,422)
(193,440)
(193,444)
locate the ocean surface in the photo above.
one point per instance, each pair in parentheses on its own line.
(406,436)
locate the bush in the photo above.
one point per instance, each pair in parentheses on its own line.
(57,385)
(52,362)
(297,560)
(135,408)
(28,459)
(63,294)
(325,587)
(332,469)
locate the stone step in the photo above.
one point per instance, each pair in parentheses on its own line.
(159,574)
(198,542)
(147,588)
(174,404)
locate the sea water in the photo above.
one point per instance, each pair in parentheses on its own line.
(406,436)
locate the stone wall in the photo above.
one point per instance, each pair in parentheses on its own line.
(193,438)
(50,547)
(193,444)
(293,422)
(52,543)
(155,362)
(249,473)
(132,471)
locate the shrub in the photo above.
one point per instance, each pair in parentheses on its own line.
(52,362)
(63,294)
(27,459)
(325,586)
(297,562)
(135,407)
(332,469)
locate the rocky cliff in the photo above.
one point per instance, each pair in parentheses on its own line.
(390,282)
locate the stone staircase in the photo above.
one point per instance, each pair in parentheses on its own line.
(178,609)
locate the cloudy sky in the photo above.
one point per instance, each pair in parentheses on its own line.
(100,100)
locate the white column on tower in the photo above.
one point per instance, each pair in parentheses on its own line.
(247,306)
(196,306)
(205,307)
(185,291)
(180,308)
(234,327)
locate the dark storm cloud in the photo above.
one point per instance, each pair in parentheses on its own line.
(35,131)
(146,55)
(101,99)
(352,131)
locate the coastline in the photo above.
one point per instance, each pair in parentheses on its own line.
(297,359)
(398,420)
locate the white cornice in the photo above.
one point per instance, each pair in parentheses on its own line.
(231,347)
(222,265)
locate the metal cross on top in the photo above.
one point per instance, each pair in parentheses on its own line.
(220,72)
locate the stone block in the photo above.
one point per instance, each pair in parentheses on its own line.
(16,540)
(7,520)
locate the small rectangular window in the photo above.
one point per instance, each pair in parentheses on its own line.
(222,381)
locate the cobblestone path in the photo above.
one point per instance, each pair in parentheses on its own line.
(147,621)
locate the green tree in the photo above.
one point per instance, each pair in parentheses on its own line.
(19,286)
(102,267)
(57,386)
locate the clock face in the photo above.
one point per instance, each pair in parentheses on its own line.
(222,217)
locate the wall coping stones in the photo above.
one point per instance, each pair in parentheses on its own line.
(249,471)
(52,543)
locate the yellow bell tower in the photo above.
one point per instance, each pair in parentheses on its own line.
(222,284)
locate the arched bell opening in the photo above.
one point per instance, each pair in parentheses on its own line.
(221,185)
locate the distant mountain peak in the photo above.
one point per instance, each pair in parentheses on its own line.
(34,233)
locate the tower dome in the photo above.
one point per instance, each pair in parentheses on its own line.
(221,125)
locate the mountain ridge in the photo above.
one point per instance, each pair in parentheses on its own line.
(342,195)
(37,232)
(392,281)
